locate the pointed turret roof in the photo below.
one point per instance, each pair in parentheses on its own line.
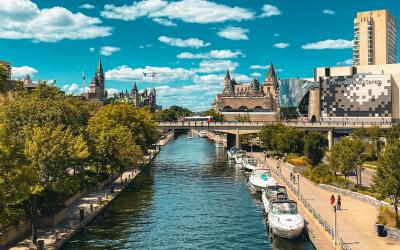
(134,88)
(227,76)
(271,72)
(27,77)
(99,66)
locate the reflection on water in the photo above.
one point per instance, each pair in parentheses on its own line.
(190,199)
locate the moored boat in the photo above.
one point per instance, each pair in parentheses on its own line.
(239,156)
(249,163)
(231,153)
(260,178)
(202,134)
(284,219)
(273,192)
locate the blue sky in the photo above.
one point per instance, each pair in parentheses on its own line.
(189,43)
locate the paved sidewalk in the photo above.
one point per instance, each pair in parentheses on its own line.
(56,236)
(356,220)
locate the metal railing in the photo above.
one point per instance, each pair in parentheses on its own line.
(343,245)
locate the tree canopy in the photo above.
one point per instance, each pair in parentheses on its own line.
(52,145)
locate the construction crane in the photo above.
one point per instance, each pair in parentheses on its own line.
(153,76)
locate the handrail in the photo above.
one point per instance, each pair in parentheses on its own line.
(343,245)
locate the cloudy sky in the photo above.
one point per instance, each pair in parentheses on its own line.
(189,43)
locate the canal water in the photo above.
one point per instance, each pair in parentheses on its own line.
(190,199)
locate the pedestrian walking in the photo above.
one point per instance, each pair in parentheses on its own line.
(339,202)
(291,176)
(332,199)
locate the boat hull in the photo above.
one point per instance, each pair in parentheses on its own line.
(286,233)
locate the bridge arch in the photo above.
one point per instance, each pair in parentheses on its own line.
(243,108)
(258,109)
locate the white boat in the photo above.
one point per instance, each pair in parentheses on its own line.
(202,134)
(249,163)
(260,178)
(231,153)
(273,192)
(239,156)
(284,219)
(219,144)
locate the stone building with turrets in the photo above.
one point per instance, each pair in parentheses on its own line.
(258,100)
(97,90)
(140,100)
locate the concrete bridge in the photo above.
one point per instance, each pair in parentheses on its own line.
(235,129)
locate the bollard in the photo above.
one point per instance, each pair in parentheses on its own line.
(81,214)
(91,208)
(40,244)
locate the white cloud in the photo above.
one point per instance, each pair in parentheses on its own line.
(346,62)
(276,34)
(202,11)
(145,46)
(86,6)
(259,67)
(177,42)
(329,44)
(112,91)
(190,11)
(208,66)
(234,33)
(71,89)
(108,50)
(281,45)
(270,10)
(22,19)
(20,72)
(91,49)
(255,74)
(209,79)
(134,11)
(217,54)
(329,12)
(165,22)
(164,74)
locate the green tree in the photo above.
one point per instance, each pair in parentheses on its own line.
(347,156)
(3,77)
(314,146)
(290,140)
(387,176)
(216,116)
(393,134)
(268,132)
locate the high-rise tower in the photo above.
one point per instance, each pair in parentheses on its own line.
(375,38)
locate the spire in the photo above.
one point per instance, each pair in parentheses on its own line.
(134,88)
(99,66)
(271,73)
(227,79)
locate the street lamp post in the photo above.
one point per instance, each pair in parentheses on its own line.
(335,238)
(358,109)
(298,185)
(343,113)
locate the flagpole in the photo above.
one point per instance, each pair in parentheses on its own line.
(83,83)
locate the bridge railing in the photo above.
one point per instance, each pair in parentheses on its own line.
(261,123)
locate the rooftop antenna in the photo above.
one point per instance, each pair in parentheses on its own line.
(153,76)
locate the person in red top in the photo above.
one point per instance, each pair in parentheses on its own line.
(332,199)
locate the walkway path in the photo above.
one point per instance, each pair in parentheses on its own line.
(356,220)
(56,236)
